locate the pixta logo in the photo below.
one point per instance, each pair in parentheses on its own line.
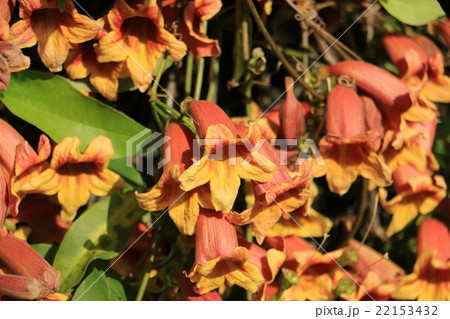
(144,146)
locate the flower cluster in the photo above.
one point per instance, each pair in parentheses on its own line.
(298,199)
(126,42)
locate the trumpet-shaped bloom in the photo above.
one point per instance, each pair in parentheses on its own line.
(349,150)
(437,86)
(430,279)
(191,26)
(279,196)
(139,38)
(392,96)
(183,206)
(269,263)
(227,158)
(417,148)
(41,215)
(218,258)
(421,65)
(315,272)
(407,56)
(71,175)
(303,222)
(10,140)
(82,62)
(417,192)
(42,22)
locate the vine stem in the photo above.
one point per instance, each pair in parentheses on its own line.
(189,70)
(146,279)
(361,210)
(278,52)
(199,78)
(323,33)
(154,93)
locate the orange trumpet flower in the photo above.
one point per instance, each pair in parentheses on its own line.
(349,150)
(430,279)
(284,193)
(43,23)
(218,258)
(71,175)
(183,206)
(139,38)
(191,26)
(227,157)
(417,192)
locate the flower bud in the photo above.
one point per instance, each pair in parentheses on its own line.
(386,89)
(344,113)
(407,56)
(178,148)
(373,119)
(19,259)
(292,114)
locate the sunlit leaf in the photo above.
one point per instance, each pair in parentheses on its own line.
(101,232)
(414,12)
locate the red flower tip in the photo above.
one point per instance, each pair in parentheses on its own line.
(178,148)
(206,114)
(292,114)
(434,235)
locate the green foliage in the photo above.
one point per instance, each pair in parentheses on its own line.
(414,12)
(99,285)
(100,233)
(47,251)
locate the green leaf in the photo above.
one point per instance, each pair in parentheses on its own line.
(47,251)
(50,103)
(414,12)
(130,174)
(61,5)
(101,232)
(100,286)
